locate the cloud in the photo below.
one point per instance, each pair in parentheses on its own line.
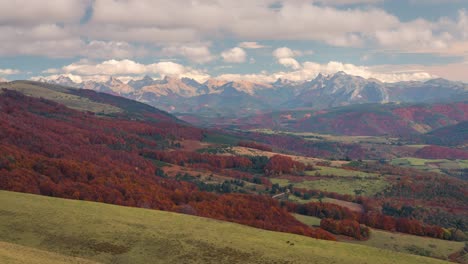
(234,55)
(114,20)
(9,71)
(251,45)
(111,49)
(88,69)
(309,70)
(348,2)
(38,12)
(285,56)
(285,52)
(433,2)
(74,78)
(31,28)
(55,41)
(198,53)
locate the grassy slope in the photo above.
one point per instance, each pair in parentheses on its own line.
(109,233)
(308,220)
(338,185)
(61,95)
(16,254)
(412,244)
(400,242)
(340,172)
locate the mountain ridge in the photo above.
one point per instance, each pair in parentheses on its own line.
(183,95)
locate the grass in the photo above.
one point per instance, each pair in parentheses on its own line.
(217,138)
(412,244)
(60,95)
(308,220)
(434,165)
(334,138)
(115,234)
(16,254)
(339,185)
(340,172)
(352,206)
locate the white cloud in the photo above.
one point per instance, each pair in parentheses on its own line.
(111,49)
(198,53)
(32,28)
(9,71)
(310,70)
(289,62)
(90,70)
(243,19)
(74,78)
(234,55)
(36,12)
(285,56)
(55,41)
(251,45)
(348,2)
(285,52)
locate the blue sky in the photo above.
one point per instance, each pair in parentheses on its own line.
(235,40)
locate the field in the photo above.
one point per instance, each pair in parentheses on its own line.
(335,138)
(115,234)
(306,160)
(308,220)
(434,165)
(16,254)
(351,206)
(340,172)
(412,244)
(338,185)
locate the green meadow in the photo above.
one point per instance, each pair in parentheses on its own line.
(115,234)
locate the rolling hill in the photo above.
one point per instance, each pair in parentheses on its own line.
(66,229)
(450,135)
(47,148)
(362,120)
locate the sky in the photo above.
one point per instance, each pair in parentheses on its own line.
(260,41)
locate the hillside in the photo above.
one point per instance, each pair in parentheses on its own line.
(450,135)
(362,120)
(88,100)
(115,234)
(142,157)
(47,148)
(15,254)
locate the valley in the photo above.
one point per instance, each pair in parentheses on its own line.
(364,189)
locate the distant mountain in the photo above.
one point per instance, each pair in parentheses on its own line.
(230,98)
(453,135)
(2,80)
(365,119)
(338,90)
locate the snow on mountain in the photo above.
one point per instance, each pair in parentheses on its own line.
(322,92)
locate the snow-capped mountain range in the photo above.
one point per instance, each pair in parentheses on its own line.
(219,97)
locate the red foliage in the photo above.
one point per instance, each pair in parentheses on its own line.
(345,227)
(282,164)
(48,149)
(254,145)
(370,219)
(186,157)
(437,152)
